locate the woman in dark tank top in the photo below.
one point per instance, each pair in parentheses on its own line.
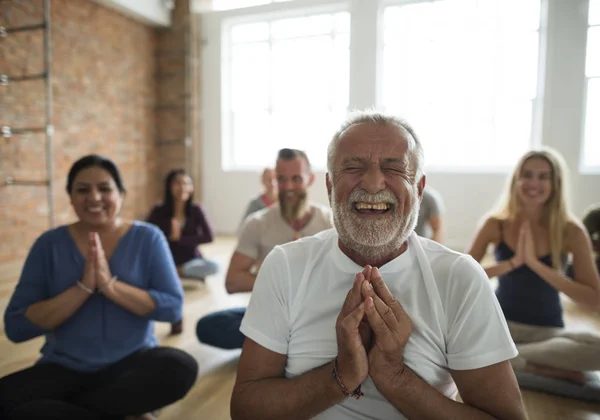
(533,234)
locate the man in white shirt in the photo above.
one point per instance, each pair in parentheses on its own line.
(370,310)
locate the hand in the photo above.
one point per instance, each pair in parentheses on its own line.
(175,230)
(391,327)
(528,244)
(103,274)
(89,270)
(364,329)
(519,258)
(352,362)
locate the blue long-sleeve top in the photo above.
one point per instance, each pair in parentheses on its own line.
(101,332)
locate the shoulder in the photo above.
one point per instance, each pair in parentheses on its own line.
(140,231)
(53,236)
(452,268)
(158,209)
(575,232)
(197,208)
(492,225)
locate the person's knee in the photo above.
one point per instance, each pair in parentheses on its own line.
(206,329)
(181,369)
(212,267)
(47,409)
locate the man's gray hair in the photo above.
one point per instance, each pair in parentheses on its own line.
(374,117)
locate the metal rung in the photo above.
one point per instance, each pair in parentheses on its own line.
(9,131)
(4,31)
(9,180)
(5,79)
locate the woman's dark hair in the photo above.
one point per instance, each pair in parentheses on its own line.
(168,201)
(99,161)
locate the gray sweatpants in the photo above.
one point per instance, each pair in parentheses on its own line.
(555,347)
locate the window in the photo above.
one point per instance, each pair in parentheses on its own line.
(591,146)
(286,85)
(464,73)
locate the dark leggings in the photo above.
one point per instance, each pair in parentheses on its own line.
(140,383)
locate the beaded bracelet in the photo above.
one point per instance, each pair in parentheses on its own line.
(108,283)
(357,392)
(84,287)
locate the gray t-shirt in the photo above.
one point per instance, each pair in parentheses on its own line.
(254,205)
(266,228)
(432,205)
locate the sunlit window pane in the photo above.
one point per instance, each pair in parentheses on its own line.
(290,89)
(302,27)
(592,65)
(298,78)
(251,32)
(591,156)
(250,76)
(594,15)
(462,71)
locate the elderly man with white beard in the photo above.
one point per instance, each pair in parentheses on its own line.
(368,320)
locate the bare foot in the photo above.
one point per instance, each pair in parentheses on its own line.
(567,375)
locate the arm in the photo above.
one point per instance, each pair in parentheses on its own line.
(585,287)
(203,233)
(262,392)
(478,347)
(488,393)
(163,300)
(239,277)
(133,299)
(488,233)
(437,228)
(30,312)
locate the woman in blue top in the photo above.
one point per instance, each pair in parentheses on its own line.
(93,289)
(533,234)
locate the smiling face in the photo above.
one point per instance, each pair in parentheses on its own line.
(534,182)
(373,192)
(181,187)
(293,179)
(95,197)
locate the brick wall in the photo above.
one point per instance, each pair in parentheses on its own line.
(104,87)
(178,93)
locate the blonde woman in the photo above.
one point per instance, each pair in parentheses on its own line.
(533,234)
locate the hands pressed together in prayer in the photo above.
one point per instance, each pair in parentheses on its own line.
(372,330)
(525,252)
(96,272)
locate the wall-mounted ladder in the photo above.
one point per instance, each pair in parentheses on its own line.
(8,133)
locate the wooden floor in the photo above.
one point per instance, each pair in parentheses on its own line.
(209,398)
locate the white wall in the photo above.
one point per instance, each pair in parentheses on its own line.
(467,196)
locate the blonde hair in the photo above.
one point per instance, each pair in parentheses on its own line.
(556,214)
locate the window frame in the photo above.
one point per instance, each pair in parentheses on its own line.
(535,140)
(584,168)
(294,9)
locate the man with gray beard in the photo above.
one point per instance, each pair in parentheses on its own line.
(294,217)
(371,321)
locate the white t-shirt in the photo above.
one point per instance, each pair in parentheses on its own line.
(457,322)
